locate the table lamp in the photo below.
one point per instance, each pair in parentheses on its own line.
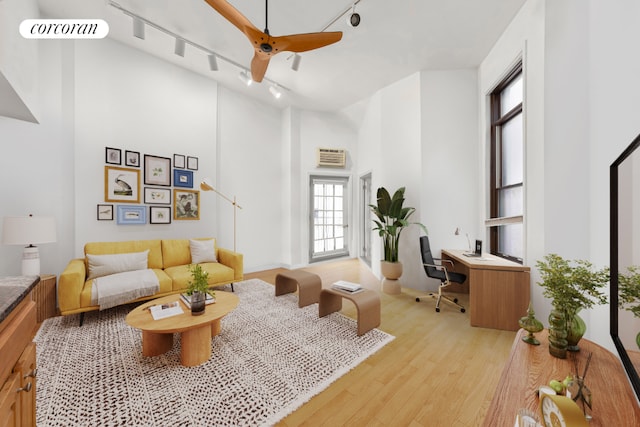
(207,185)
(29,230)
(459,232)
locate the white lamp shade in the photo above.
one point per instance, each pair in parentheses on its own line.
(28,230)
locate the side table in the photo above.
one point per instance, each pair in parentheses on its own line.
(367,303)
(44,294)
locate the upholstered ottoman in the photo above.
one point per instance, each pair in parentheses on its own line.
(367,303)
(308,285)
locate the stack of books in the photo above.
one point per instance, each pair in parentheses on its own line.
(186,299)
(165,310)
(348,287)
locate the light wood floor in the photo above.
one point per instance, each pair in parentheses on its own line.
(439,371)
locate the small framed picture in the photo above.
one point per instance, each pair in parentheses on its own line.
(121,185)
(105,212)
(182,178)
(192,163)
(160,214)
(112,156)
(157,170)
(157,196)
(178,161)
(132,158)
(131,214)
(186,204)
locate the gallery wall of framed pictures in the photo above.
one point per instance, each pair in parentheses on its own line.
(167,193)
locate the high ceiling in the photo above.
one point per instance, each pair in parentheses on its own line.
(394,39)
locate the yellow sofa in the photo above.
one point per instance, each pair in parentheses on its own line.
(168,258)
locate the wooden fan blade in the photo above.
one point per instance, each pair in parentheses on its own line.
(232,15)
(308,41)
(259,65)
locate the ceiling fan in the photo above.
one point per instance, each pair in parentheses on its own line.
(266,45)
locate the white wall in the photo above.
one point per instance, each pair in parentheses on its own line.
(389,140)
(37,166)
(132,101)
(323,130)
(18,62)
(450,164)
(250,150)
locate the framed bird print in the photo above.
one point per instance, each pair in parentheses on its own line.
(186,204)
(121,185)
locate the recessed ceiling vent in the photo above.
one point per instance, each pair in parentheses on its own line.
(332,157)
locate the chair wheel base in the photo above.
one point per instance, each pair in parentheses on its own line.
(455,300)
(462,310)
(417,299)
(437,310)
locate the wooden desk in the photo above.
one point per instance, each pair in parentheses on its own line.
(499,289)
(530,366)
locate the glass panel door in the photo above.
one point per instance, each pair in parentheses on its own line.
(329,220)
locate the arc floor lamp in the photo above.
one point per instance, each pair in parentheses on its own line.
(207,185)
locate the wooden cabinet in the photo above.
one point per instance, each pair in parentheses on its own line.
(18,366)
(10,402)
(530,367)
(44,294)
(26,367)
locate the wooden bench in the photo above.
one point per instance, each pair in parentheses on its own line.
(367,303)
(308,285)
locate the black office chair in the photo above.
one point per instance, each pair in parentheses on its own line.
(439,271)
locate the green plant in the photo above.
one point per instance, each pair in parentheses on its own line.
(572,287)
(199,281)
(392,219)
(629,290)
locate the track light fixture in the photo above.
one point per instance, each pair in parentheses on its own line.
(295,64)
(213,62)
(138,28)
(275,91)
(179,47)
(354,18)
(244,78)
(140,23)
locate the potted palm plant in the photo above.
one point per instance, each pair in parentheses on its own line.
(198,289)
(571,288)
(392,218)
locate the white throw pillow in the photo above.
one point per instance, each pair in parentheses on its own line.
(202,251)
(104,265)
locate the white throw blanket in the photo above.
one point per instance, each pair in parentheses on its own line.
(115,289)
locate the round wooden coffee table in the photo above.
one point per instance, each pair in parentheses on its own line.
(196,331)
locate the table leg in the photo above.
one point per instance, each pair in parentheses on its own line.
(195,346)
(154,344)
(215,327)
(329,303)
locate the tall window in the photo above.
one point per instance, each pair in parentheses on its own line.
(507,168)
(329,218)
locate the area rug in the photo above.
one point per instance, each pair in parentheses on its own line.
(269,359)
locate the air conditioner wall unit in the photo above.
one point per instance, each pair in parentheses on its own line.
(332,157)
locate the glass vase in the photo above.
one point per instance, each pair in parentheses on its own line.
(197,303)
(557,333)
(575,330)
